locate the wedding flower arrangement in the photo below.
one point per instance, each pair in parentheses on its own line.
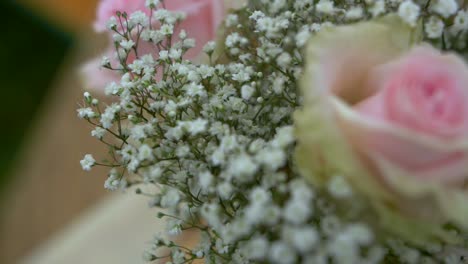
(288,131)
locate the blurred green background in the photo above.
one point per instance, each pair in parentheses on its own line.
(42,186)
(31,52)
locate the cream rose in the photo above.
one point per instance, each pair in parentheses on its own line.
(392,116)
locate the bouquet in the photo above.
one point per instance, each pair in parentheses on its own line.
(288,131)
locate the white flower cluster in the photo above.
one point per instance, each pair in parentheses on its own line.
(216,139)
(444,21)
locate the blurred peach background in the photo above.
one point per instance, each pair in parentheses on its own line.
(49,190)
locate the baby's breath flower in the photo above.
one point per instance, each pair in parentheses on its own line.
(105,61)
(164,55)
(175,54)
(256,248)
(434,27)
(108,116)
(247,91)
(145,152)
(167,29)
(297,211)
(209,47)
(197,126)
(111,89)
(272,158)
(284,60)
(281,252)
(460,22)
(377,8)
(152,3)
(304,239)
(87,162)
(354,13)
(232,20)
(113,182)
(225,190)
(86,113)
(409,12)
(138,18)
(302,36)
(98,132)
(127,44)
(170,198)
(325,6)
(339,188)
(242,168)
(445,8)
(111,23)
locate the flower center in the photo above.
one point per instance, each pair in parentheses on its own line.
(430,102)
(436,100)
(439,100)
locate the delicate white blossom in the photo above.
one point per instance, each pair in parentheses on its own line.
(409,12)
(87,162)
(445,8)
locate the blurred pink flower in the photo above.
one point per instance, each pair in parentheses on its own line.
(108,8)
(203,18)
(422,94)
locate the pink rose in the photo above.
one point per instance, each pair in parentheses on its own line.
(392,117)
(421,102)
(203,18)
